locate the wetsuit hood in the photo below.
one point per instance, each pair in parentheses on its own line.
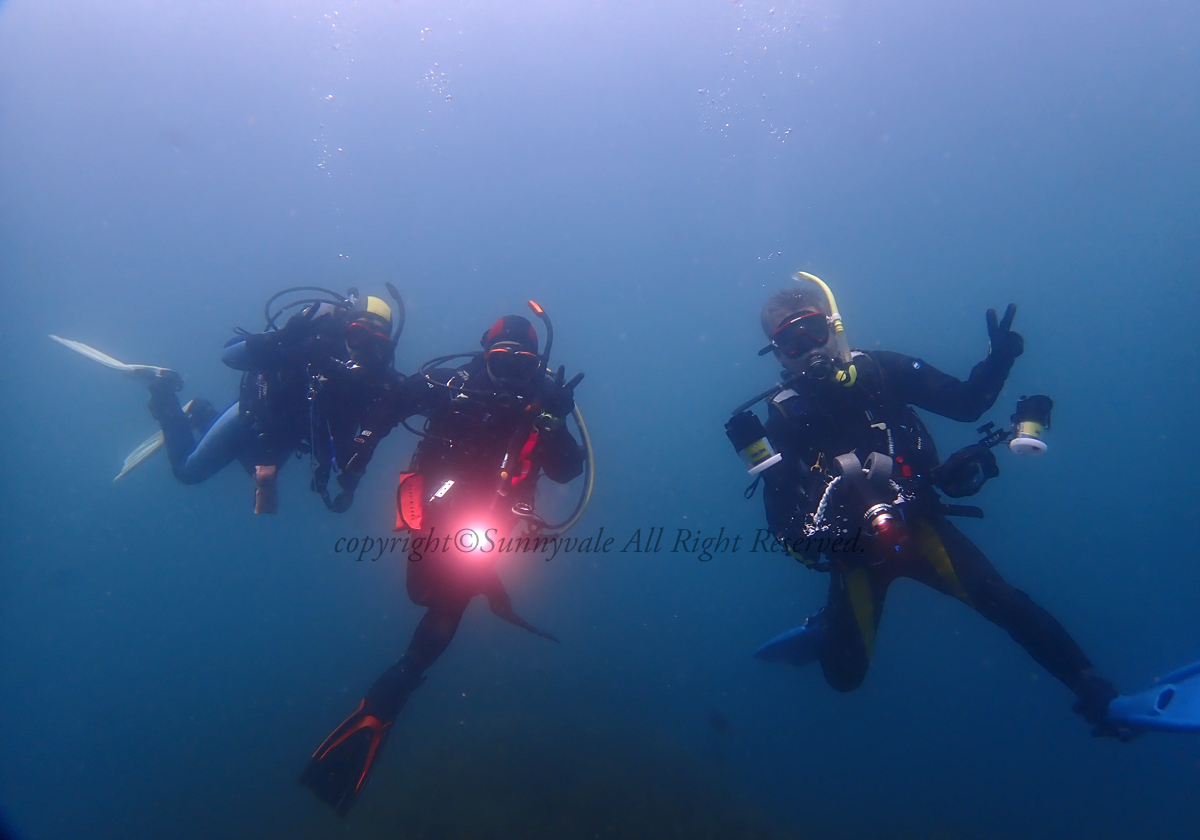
(511,329)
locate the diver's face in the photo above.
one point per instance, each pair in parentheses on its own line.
(367,341)
(511,366)
(801,341)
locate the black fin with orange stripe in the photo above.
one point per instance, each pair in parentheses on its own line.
(338,770)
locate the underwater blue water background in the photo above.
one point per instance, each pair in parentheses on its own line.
(649,173)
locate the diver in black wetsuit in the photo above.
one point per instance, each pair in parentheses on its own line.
(494,425)
(356,403)
(306,387)
(855,457)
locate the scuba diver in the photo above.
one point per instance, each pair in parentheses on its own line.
(356,403)
(305,388)
(844,454)
(494,425)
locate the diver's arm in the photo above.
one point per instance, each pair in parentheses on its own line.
(362,448)
(415,394)
(384,413)
(236,354)
(918,383)
(927,387)
(784,492)
(269,350)
(562,457)
(322,455)
(397,399)
(255,351)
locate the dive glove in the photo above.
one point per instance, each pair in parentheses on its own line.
(349,483)
(965,472)
(1006,344)
(559,400)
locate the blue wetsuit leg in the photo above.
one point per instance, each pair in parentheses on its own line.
(193,462)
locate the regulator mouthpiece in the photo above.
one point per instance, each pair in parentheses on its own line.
(745,431)
(821,367)
(1030,422)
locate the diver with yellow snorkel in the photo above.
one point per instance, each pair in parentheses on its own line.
(844,455)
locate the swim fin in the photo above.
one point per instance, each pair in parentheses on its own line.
(148,447)
(512,618)
(797,646)
(339,768)
(143,451)
(145,374)
(1172,705)
(501,605)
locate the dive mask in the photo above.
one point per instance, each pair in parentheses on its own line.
(364,335)
(799,335)
(508,362)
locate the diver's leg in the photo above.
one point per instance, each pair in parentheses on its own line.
(193,463)
(423,577)
(202,415)
(434,632)
(222,443)
(178,438)
(959,568)
(848,623)
(339,768)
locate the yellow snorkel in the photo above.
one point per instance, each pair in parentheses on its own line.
(846,373)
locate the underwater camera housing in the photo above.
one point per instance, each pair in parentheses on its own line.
(745,431)
(966,471)
(1030,420)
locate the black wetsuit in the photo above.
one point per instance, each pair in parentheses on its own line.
(471,427)
(469,431)
(353,409)
(810,425)
(468,484)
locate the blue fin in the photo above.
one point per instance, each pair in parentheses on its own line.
(1173,705)
(797,646)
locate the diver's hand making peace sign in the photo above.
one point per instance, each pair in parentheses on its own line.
(1006,344)
(558,400)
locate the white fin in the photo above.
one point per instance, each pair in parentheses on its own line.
(92,353)
(145,449)
(143,373)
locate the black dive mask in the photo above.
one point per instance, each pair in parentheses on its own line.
(508,363)
(798,335)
